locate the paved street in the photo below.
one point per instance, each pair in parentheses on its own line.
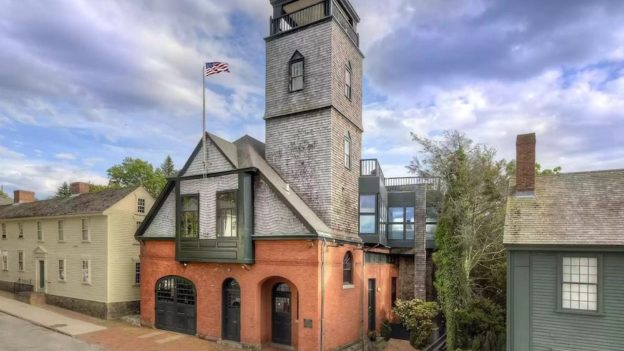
(18,335)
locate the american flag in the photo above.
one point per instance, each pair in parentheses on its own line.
(215,67)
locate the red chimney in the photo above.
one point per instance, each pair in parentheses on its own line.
(78,188)
(525,162)
(23,196)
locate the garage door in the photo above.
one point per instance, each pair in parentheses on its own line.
(175,305)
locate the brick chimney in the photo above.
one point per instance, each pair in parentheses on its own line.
(23,196)
(525,162)
(78,188)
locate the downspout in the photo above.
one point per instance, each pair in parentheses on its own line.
(322,295)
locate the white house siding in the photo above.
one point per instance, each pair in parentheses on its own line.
(163,223)
(216,161)
(51,250)
(12,244)
(73,250)
(207,189)
(271,215)
(123,249)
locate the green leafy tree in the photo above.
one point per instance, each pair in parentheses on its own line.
(63,191)
(511,169)
(137,172)
(470,258)
(2,193)
(167,167)
(417,316)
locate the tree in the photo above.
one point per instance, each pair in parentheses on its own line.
(63,191)
(2,193)
(511,169)
(168,168)
(470,258)
(137,172)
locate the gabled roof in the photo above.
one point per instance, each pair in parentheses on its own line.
(88,203)
(585,208)
(246,153)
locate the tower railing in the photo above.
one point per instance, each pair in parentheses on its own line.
(340,16)
(300,17)
(371,167)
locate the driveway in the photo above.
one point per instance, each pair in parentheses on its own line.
(18,335)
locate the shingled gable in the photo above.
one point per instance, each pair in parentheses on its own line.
(248,153)
(87,203)
(584,208)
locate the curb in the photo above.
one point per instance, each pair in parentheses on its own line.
(37,323)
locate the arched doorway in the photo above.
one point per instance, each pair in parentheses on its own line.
(281,314)
(175,305)
(231,310)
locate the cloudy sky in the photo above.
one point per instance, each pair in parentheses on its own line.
(84,84)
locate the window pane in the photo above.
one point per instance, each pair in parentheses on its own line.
(395,214)
(409,215)
(409,232)
(368,203)
(396,231)
(367,224)
(296,69)
(579,289)
(297,83)
(226,214)
(430,230)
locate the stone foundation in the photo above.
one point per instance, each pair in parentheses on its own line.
(93,308)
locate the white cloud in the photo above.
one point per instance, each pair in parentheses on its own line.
(65,156)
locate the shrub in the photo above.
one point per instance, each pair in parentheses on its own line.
(417,316)
(386,330)
(481,326)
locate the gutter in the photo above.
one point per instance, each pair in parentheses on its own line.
(322,295)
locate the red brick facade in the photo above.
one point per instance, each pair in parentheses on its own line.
(295,262)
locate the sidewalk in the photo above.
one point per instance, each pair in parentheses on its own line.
(46,318)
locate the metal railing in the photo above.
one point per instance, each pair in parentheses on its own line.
(22,285)
(341,18)
(371,167)
(405,181)
(300,18)
(438,345)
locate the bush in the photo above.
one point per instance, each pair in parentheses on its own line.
(417,316)
(481,326)
(386,330)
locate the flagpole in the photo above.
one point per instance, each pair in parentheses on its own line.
(204,138)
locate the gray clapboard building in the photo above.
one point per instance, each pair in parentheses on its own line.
(565,239)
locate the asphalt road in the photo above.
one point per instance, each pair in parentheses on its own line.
(19,335)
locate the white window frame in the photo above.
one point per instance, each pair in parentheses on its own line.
(39,231)
(348,81)
(21,264)
(347,151)
(137,272)
(60,227)
(296,79)
(86,281)
(20,230)
(580,283)
(5,260)
(141,205)
(62,278)
(84,228)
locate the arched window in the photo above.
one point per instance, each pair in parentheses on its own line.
(347,269)
(295,72)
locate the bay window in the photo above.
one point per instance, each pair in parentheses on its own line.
(368,206)
(226,214)
(189,216)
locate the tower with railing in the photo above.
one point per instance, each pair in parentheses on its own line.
(314,105)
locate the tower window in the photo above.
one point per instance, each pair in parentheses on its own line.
(348,81)
(296,72)
(347,151)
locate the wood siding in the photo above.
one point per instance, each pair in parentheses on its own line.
(552,330)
